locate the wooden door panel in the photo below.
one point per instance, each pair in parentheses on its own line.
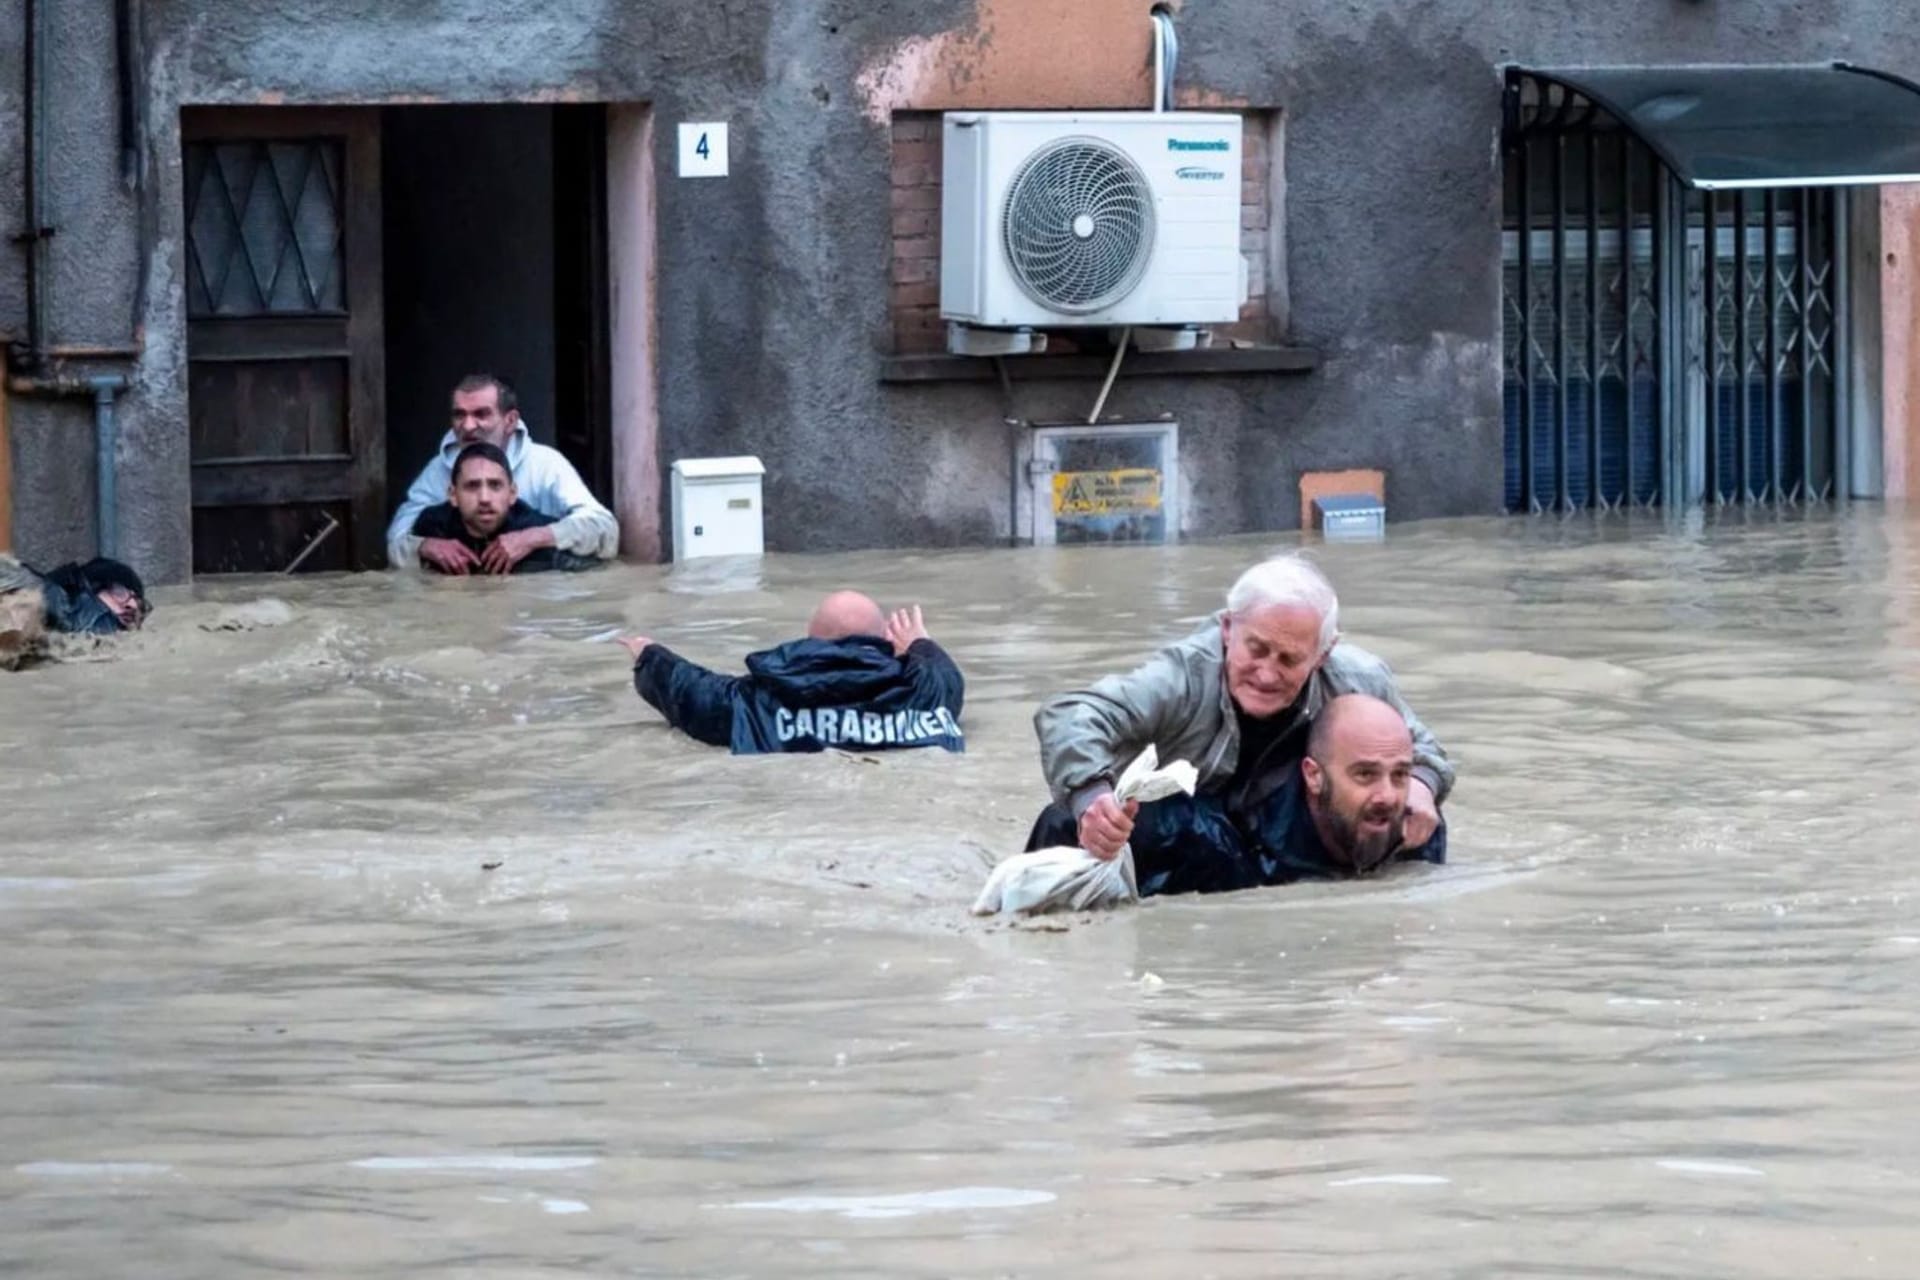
(285,345)
(251,539)
(269,409)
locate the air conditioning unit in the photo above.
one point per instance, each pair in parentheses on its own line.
(1095,218)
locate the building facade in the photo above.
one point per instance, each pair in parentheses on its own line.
(258,246)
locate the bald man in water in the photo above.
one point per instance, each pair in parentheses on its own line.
(861,679)
(1337,817)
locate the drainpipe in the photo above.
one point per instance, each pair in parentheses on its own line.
(36,234)
(106,517)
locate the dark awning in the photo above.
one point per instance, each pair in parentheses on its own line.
(1728,127)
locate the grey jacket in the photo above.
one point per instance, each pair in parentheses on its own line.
(1178,701)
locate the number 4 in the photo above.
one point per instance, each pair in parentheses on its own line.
(701,148)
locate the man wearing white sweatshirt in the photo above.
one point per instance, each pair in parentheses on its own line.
(486,411)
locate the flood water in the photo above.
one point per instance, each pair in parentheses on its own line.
(401,938)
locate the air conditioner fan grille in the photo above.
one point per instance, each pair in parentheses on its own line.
(1078,225)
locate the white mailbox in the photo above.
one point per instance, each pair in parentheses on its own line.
(716,508)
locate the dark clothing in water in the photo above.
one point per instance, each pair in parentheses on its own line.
(443,521)
(808,695)
(78,612)
(1190,844)
(1270,752)
(71,594)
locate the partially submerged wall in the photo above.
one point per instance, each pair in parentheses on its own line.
(773,285)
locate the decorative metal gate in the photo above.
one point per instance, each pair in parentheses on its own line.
(1663,345)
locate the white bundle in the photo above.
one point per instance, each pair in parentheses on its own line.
(1070,879)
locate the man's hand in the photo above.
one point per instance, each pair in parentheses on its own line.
(448,555)
(905,627)
(509,549)
(635,645)
(1106,826)
(1423,816)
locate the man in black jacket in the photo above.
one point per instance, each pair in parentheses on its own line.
(482,503)
(1337,815)
(860,680)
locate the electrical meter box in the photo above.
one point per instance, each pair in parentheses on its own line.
(716,508)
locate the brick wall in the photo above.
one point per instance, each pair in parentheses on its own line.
(1256,186)
(916,232)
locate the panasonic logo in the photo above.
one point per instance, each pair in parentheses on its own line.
(1208,144)
(1194,173)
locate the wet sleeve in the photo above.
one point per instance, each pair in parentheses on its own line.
(1434,850)
(696,701)
(428,488)
(1087,736)
(936,677)
(584,527)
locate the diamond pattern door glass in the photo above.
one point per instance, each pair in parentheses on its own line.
(263,228)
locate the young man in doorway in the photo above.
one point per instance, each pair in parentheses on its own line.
(486,411)
(482,513)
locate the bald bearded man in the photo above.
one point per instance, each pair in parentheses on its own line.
(1338,816)
(860,680)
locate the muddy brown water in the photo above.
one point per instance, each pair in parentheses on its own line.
(265,1009)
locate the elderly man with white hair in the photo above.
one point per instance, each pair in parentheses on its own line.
(1238,699)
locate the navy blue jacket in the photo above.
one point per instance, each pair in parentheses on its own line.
(68,594)
(442,520)
(78,611)
(1197,848)
(1193,844)
(808,695)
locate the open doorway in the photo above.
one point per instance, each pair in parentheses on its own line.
(495,230)
(346,266)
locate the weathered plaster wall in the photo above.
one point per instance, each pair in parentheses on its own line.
(92,302)
(773,284)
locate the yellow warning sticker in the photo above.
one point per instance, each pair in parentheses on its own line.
(1129,491)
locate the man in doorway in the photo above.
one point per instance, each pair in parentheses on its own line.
(486,411)
(482,510)
(860,680)
(1238,699)
(101,598)
(1340,814)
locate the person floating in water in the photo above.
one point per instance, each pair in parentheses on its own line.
(1340,814)
(1239,699)
(482,507)
(101,598)
(859,680)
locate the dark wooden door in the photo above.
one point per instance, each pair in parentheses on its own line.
(285,351)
